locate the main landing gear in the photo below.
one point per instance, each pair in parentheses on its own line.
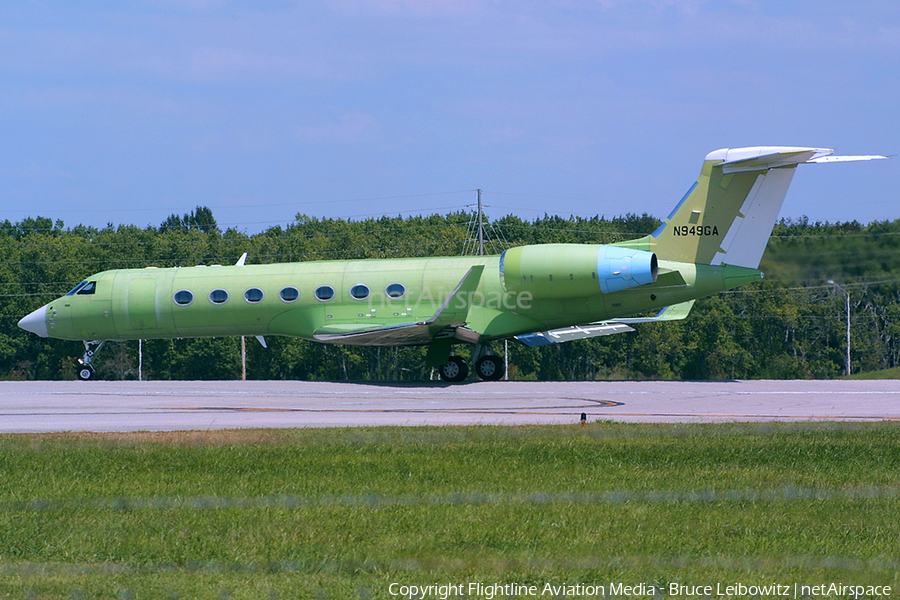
(454,370)
(85,370)
(488,368)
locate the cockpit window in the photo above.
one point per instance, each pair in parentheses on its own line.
(88,288)
(75,289)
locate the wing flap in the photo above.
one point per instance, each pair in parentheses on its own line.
(406,334)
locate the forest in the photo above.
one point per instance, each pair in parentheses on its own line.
(790,325)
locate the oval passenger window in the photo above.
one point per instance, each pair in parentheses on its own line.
(289,294)
(359,291)
(253,295)
(324,293)
(395,290)
(183,297)
(218,296)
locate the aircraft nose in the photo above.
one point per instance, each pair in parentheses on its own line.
(36,322)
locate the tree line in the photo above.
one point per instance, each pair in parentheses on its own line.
(790,325)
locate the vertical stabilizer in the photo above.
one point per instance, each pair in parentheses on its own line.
(728,214)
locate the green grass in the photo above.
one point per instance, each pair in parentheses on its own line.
(893,373)
(344,513)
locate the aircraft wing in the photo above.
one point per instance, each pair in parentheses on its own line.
(675,312)
(449,317)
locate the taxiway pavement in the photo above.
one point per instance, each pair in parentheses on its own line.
(101,406)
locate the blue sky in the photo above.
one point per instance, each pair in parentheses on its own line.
(126,112)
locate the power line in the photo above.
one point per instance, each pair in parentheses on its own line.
(299,203)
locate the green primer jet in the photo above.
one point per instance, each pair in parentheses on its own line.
(540,294)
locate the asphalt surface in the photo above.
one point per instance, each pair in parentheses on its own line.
(47,406)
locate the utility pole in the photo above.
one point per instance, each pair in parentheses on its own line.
(243,358)
(847,294)
(480,227)
(481,253)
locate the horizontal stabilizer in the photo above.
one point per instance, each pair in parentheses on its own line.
(761,158)
(567,334)
(835,159)
(676,312)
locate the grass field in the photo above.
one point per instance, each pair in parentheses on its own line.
(346,513)
(893,373)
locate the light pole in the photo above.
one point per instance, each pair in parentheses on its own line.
(847,294)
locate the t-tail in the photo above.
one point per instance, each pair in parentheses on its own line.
(728,214)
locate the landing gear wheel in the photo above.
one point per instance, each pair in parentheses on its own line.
(86,371)
(490,368)
(454,370)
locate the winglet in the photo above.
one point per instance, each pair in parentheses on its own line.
(241,260)
(455,309)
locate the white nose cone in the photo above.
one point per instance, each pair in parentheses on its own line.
(36,322)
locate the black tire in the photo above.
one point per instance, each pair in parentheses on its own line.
(85,373)
(490,368)
(454,370)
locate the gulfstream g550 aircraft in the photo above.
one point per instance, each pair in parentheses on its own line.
(542,294)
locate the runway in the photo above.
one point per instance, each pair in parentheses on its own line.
(123,406)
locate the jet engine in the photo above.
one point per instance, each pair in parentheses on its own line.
(572,270)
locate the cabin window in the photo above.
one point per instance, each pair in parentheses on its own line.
(254,295)
(88,288)
(324,293)
(183,297)
(75,289)
(359,291)
(218,296)
(395,290)
(289,294)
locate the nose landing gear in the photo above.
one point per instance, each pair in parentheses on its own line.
(85,370)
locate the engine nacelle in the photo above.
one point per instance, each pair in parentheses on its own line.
(573,270)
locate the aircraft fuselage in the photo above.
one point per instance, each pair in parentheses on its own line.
(259,300)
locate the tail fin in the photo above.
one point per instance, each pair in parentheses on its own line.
(728,214)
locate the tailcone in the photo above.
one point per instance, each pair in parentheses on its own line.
(738,276)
